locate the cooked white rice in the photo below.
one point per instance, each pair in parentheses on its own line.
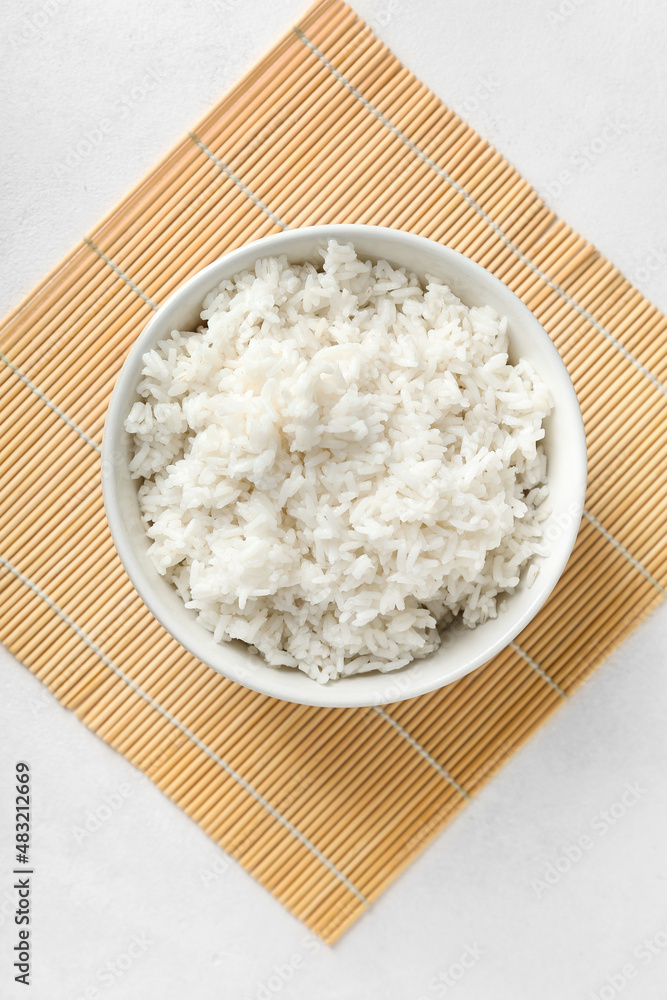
(339,462)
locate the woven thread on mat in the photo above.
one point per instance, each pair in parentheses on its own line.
(323,807)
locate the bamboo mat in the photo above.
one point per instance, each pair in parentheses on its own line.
(323,807)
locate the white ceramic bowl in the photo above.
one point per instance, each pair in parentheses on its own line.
(463,650)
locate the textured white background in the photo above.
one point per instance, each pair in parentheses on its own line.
(573,87)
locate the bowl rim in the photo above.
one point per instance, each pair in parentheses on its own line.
(266,680)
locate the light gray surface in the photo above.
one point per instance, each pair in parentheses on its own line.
(546,83)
